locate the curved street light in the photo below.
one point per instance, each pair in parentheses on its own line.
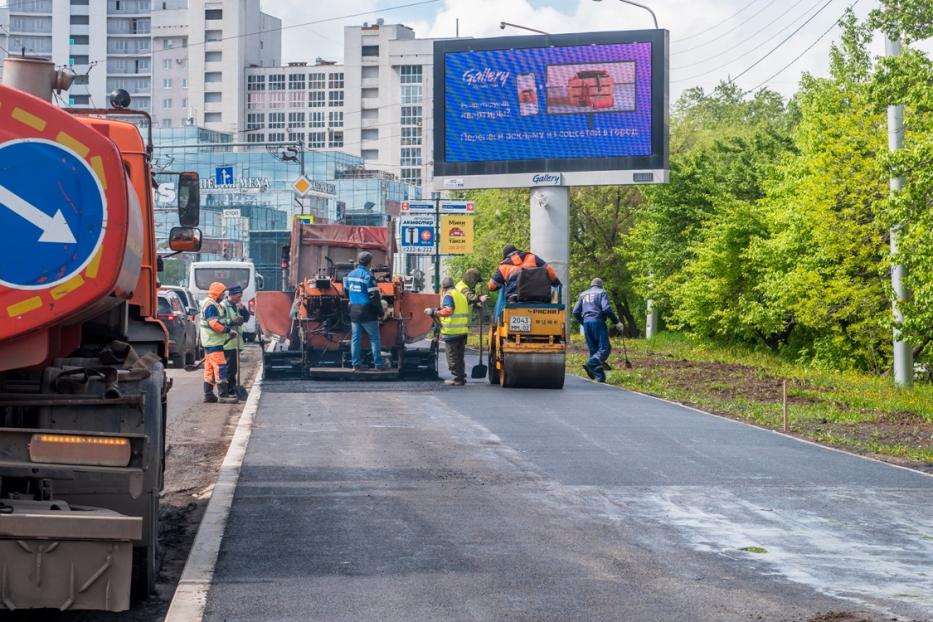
(502,26)
(653,16)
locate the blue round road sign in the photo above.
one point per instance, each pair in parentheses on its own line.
(52,214)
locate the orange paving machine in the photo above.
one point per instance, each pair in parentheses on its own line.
(306,331)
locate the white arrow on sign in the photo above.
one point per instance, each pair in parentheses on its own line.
(55,228)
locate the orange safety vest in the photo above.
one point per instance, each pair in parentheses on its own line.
(515,264)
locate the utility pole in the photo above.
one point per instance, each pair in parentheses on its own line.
(903,354)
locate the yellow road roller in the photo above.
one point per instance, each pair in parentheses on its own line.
(528,344)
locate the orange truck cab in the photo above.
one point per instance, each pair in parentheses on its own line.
(82,383)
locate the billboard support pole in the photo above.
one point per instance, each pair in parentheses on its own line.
(550,231)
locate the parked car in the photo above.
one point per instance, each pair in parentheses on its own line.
(187,298)
(182,331)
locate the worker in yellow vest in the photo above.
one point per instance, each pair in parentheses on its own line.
(453,316)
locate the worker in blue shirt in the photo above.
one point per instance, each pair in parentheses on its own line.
(365,311)
(591,311)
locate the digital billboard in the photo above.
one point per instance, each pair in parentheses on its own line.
(592,107)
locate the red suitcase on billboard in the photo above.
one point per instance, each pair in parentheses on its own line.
(591,88)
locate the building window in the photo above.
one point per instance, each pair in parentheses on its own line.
(213,14)
(296,81)
(167,103)
(296,99)
(316,139)
(255,120)
(213,35)
(167,44)
(166,123)
(316,81)
(316,99)
(335,81)
(411,115)
(167,83)
(411,135)
(296,119)
(277,82)
(213,117)
(411,175)
(410,74)
(277,137)
(80,20)
(296,137)
(256,138)
(255,101)
(277,100)
(317,119)
(167,63)
(276,120)
(411,94)
(370,51)
(213,57)
(255,83)
(213,97)
(336,139)
(335,118)
(184,102)
(335,98)
(213,76)
(411,156)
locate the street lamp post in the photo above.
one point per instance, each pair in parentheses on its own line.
(653,16)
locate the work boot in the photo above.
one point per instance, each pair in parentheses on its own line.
(209,397)
(589,372)
(226,397)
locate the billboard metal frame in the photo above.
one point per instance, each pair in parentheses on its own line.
(616,170)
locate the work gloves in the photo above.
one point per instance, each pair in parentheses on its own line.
(620,327)
(483,298)
(430,311)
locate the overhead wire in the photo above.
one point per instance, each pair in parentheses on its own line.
(723,34)
(799,56)
(718,24)
(751,36)
(759,46)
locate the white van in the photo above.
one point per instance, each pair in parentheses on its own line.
(202,273)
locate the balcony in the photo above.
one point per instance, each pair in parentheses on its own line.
(369,83)
(370,103)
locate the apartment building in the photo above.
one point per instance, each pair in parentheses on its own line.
(377,104)
(181,60)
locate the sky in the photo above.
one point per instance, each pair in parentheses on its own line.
(711,40)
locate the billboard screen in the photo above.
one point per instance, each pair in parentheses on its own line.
(558,104)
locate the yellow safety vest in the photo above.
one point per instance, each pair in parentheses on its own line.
(230,314)
(209,337)
(458,323)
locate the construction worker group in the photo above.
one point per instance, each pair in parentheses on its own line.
(221,318)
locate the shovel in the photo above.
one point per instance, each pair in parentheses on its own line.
(479,370)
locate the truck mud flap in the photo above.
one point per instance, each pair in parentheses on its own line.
(53,555)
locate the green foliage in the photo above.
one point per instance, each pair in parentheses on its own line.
(910,19)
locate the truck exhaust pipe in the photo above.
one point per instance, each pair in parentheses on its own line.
(35,76)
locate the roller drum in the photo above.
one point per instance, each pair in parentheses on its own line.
(534,370)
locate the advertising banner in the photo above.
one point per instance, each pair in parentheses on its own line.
(456,233)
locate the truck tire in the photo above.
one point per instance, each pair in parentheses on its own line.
(146,558)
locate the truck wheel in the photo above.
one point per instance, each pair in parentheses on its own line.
(146,558)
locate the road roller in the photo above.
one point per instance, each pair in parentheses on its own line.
(528,344)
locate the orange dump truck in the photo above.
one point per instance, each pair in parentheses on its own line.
(307,330)
(82,384)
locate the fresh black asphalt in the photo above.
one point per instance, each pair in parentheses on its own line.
(415,501)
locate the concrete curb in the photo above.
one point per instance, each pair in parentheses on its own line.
(190,597)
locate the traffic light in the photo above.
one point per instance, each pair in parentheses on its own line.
(226,249)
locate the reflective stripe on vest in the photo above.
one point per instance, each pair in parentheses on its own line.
(210,338)
(458,323)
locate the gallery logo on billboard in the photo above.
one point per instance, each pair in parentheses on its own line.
(546,179)
(486,77)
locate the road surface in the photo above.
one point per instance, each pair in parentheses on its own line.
(415,501)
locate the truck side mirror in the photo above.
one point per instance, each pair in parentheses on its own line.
(189,199)
(184,239)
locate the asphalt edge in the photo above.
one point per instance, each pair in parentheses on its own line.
(190,597)
(838,450)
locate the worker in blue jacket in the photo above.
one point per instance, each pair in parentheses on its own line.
(365,311)
(592,310)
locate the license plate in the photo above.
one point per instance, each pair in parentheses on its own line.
(520,324)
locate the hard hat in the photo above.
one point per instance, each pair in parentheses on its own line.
(507,250)
(216,290)
(471,277)
(447,282)
(364,258)
(597,282)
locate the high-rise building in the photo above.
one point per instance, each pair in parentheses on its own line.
(181,60)
(377,104)
(200,48)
